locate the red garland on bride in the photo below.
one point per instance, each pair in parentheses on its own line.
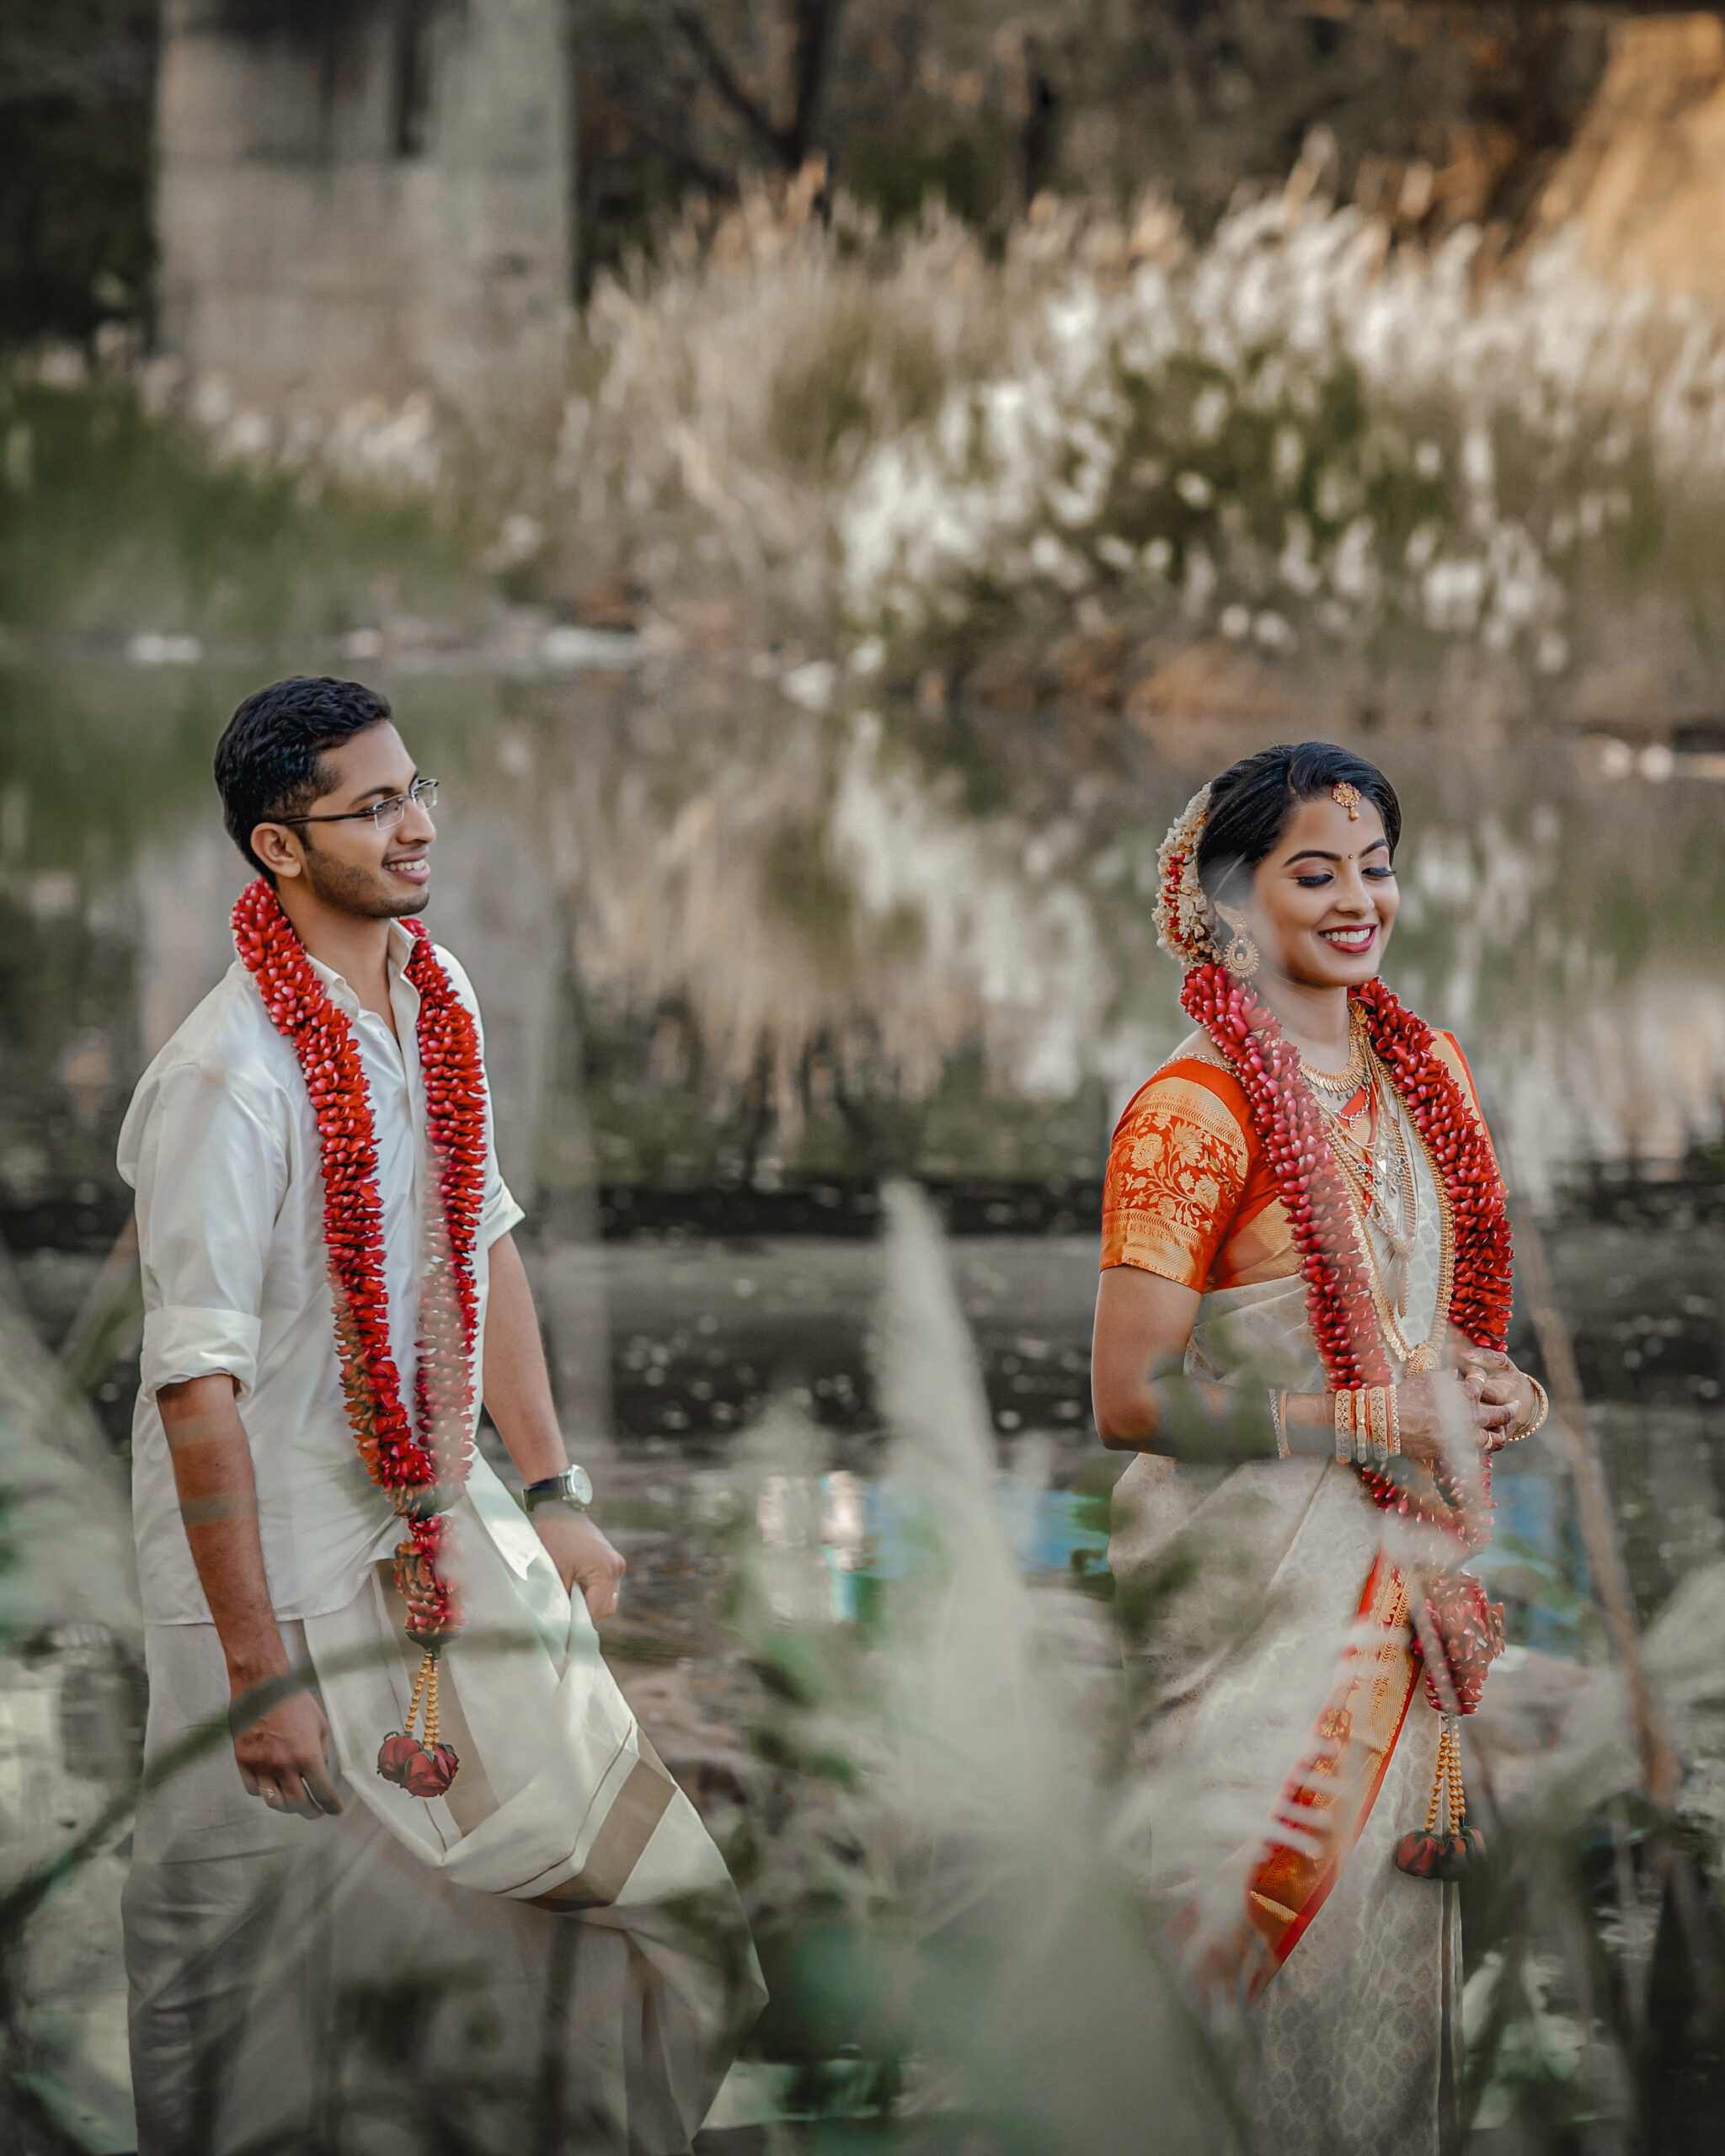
(1338,1299)
(423,1464)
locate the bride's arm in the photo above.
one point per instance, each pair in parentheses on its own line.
(1143,1402)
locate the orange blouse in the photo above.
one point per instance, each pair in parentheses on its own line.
(1189,1192)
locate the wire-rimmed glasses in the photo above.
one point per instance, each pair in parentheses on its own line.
(386,813)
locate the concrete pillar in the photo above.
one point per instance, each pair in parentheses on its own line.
(366,202)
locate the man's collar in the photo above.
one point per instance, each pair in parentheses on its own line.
(401,947)
(335,986)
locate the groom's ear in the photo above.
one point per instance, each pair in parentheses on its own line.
(277,848)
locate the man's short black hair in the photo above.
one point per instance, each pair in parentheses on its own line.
(269,761)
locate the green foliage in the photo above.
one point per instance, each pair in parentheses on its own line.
(834,398)
(895,174)
(113,519)
(985,106)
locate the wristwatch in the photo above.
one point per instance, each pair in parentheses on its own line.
(574,1487)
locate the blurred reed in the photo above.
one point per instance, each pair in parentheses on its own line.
(938,1842)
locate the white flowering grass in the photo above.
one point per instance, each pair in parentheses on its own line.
(945,1890)
(1293,435)
(1296,434)
(1288,433)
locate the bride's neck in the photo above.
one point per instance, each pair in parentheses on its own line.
(1315,1020)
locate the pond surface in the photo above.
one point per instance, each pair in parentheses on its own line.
(740,957)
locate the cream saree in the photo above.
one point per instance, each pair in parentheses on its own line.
(1287,1744)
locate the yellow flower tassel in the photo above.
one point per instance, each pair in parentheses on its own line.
(1448,1845)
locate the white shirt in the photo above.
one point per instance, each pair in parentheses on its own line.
(221,1146)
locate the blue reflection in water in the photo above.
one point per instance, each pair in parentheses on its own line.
(869,1532)
(1534,1562)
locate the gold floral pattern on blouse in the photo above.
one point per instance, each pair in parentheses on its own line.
(1176,1174)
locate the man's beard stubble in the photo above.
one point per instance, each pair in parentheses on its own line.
(359,891)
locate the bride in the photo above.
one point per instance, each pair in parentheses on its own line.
(1304,1291)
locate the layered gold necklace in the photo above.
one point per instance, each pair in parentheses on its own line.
(1372,1157)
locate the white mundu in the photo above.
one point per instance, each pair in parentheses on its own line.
(552,1955)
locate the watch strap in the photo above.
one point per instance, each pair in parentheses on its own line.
(572,1487)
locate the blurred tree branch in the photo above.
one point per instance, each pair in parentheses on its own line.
(719,73)
(812,26)
(1441,111)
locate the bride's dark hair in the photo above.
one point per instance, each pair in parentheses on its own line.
(1251,800)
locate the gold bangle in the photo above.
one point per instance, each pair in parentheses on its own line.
(1394,1423)
(1379,1399)
(1544,1410)
(1362,1424)
(1278,1420)
(1344,1425)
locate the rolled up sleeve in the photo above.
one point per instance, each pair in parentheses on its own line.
(210,1170)
(500,1212)
(181,1343)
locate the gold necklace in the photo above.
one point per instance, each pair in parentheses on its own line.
(1346,1081)
(1377,1162)
(1369,1207)
(1366,1202)
(1426,1355)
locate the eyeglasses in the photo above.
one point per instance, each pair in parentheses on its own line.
(386,815)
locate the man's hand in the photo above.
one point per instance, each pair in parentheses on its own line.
(582,1556)
(283,1757)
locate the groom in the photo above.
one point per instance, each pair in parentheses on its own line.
(271,1874)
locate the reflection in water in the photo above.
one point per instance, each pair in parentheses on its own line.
(728,948)
(728,943)
(725,939)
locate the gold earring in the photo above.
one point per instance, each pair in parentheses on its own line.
(1241,957)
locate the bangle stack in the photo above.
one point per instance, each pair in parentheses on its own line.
(1368,1426)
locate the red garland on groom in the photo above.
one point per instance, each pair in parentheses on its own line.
(422,1464)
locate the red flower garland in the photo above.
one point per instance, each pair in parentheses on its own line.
(1338,1298)
(423,1464)
(1454,1137)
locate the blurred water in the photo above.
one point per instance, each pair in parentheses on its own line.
(727,940)
(740,961)
(740,957)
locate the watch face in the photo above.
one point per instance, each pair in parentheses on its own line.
(580,1485)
